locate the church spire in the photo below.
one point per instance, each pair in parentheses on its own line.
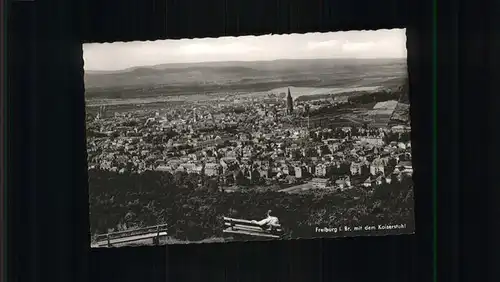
(289,103)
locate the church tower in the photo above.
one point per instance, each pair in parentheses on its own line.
(289,103)
(307,111)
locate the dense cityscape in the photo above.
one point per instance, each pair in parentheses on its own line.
(266,143)
(235,139)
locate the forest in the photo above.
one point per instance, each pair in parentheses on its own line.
(192,206)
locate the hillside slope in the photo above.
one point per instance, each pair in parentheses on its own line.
(401,113)
(183,79)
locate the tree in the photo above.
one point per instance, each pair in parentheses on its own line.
(179,178)
(240,179)
(344,168)
(325,150)
(405,137)
(355,131)
(210,153)
(296,154)
(392,162)
(192,180)
(311,152)
(213,185)
(195,214)
(255,176)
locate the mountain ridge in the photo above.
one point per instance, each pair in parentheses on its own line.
(243,77)
(222,63)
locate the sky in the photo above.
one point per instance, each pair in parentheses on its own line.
(350,44)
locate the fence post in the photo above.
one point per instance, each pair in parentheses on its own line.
(109,241)
(157,239)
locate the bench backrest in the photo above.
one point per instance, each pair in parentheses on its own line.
(246,224)
(135,232)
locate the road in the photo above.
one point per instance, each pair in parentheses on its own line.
(297,188)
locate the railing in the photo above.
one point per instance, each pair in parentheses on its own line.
(122,237)
(250,228)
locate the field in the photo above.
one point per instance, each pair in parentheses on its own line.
(214,80)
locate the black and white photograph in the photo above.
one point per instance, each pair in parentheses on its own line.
(272,137)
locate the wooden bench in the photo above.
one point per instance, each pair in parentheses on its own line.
(123,237)
(250,228)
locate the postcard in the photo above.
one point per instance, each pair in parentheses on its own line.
(274,137)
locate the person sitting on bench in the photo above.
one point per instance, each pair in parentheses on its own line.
(268,223)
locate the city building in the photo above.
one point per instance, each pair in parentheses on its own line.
(356,168)
(400,129)
(343,183)
(320,182)
(299,171)
(377,166)
(406,167)
(322,170)
(368,182)
(213,169)
(265,173)
(226,139)
(377,141)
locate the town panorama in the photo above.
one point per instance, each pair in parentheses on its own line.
(250,150)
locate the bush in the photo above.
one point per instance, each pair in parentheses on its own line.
(196,213)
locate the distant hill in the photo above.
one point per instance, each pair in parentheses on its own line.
(405,90)
(401,114)
(177,79)
(151,76)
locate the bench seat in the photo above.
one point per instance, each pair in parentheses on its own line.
(140,237)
